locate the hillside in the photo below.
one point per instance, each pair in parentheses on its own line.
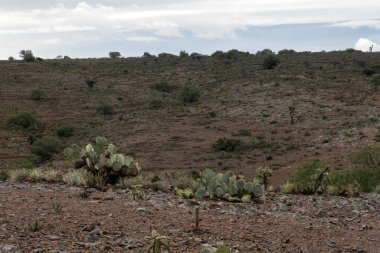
(336,108)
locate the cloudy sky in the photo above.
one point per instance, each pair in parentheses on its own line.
(92,28)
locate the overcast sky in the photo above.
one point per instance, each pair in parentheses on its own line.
(93,28)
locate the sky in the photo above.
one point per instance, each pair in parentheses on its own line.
(93,28)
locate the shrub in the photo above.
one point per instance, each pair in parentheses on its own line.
(227,144)
(37,95)
(367,179)
(309,177)
(183,54)
(114,55)
(27,55)
(45,148)
(288,188)
(90,82)
(156,104)
(65,131)
(163,87)
(76,177)
(270,61)
(190,94)
(3,175)
(368,157)
(18,175)
(376,80)
(105,109)
(25,121)
(286,52)
(369,71)
(10,58)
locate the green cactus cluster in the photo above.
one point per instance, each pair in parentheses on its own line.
(102,160)
(227,186)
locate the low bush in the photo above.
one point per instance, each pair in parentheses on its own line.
(37,95)
(366,179)
(310,177)
(164,87)
(65,131)
(156,104)
(25,121)
(105,109)
(90,83)
(369,71)
(4,175)
(376,79)
(190,94)
(227,144)
(270,61)
(45,148)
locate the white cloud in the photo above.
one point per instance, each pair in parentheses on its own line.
(145,39)
(364,45)
(159,20)
(51,41)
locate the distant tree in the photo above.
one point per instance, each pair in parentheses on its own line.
(147,54)
(286,52)
(114,55)
(58,57)
(66,57)
(183,54)
(27,55)
(264,52)
(11,58)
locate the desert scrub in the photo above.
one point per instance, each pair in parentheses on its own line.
(310,177)
(227,144)
(288,188)
(365,178)
(190,94)
(270,61)
(376,79)
(368,157)
(45,148)
(37,95)
(156,104)
(65,131)
(4,175)
(164,86)
(19,175)
(41,175)
(25,121)
(76,177)
(105,109)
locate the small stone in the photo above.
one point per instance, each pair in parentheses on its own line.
(141,210)
(207,248)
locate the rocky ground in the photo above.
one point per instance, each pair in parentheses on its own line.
(112,221)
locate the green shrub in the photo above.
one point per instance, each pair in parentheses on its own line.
(190,94)
(25,121)
(37,95)
(114,55)
(65,131)
(366,178)
(45,148)
(163,87)
(3,175)
(105,109)
(369,71)
(376,79)
(270,61)
(227,144)
(305,178)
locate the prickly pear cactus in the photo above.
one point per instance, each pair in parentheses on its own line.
(101,160)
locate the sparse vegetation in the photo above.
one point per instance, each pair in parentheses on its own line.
(190,94)
(37,95)
(25,121)
(105,109)
(227,144)
(270,61)
(4,175)
(376,79)
(65,131)
(45,148)
(114,55)
(164,86)
(159,244)
(35,226)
